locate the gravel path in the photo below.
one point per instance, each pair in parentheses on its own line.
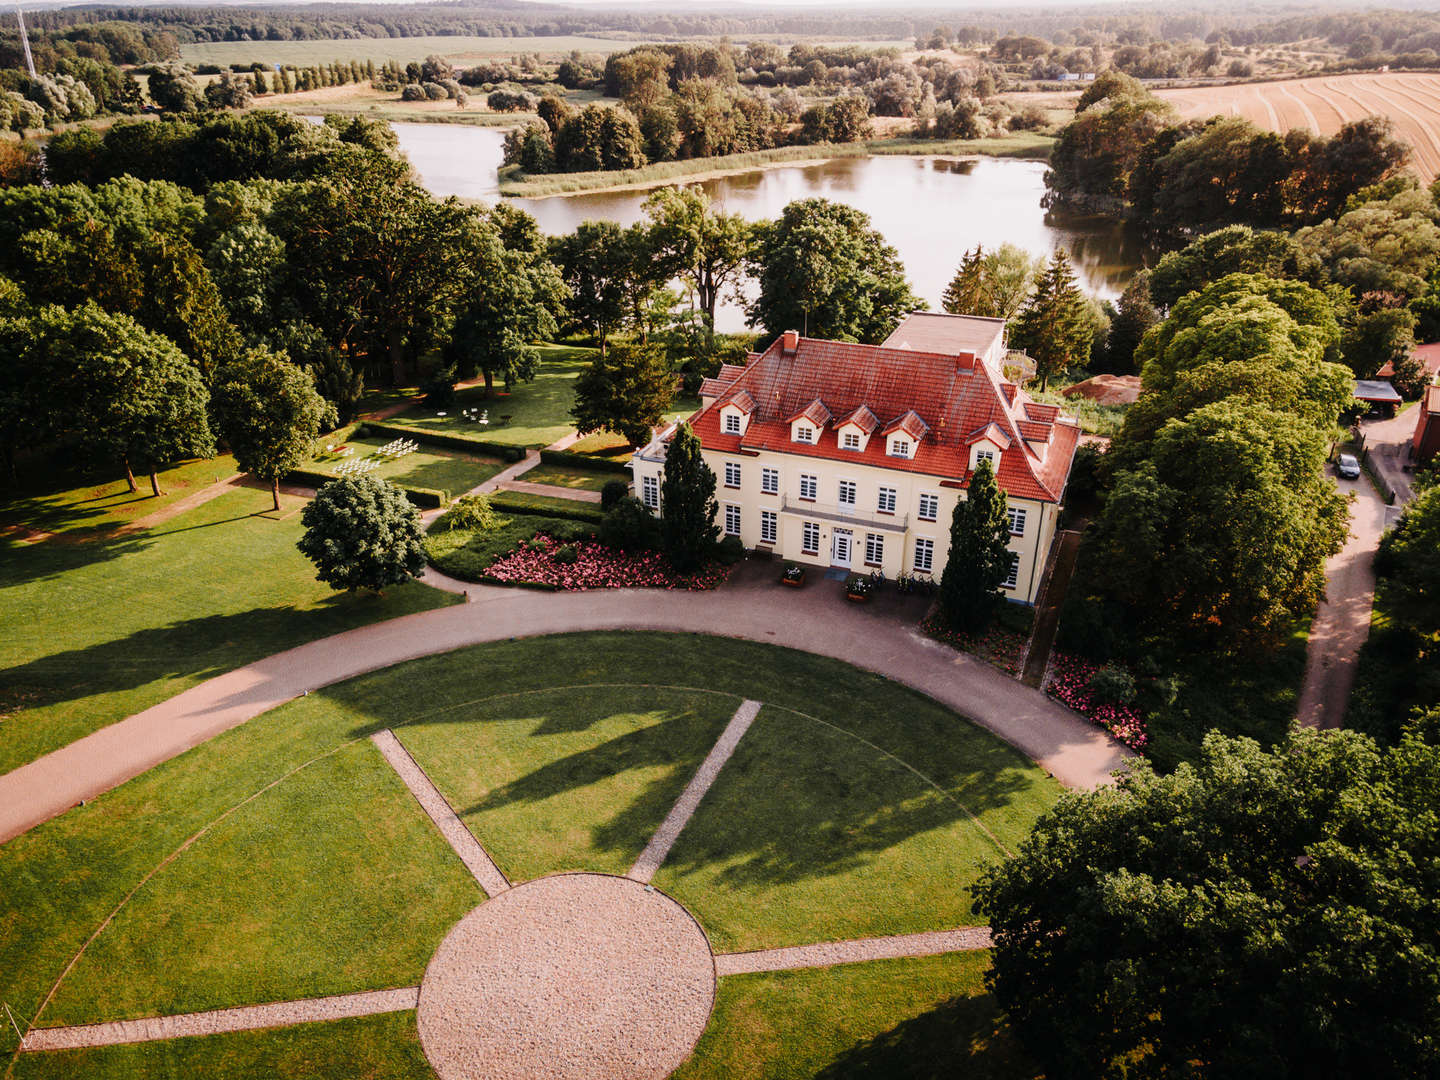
(570,977)
(829,953)
(246,1018)
(814,620)
(554,491)
(669,831)
(476,859)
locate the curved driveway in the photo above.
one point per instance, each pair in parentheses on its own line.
(813,620)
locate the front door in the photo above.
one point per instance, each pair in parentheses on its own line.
(840,548)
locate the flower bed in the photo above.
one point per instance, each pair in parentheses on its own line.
(595,566)
(997,646)
(1069,684)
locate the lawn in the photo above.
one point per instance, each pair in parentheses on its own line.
(555,780)
(568,477)
(570,748)
(103,629)
(98,503)
(920,1018)
(324,899)
(426,467)
(538,411)
(878,835)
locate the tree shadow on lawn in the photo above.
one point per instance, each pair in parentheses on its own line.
(817,818)
(964,1035)
(25,563)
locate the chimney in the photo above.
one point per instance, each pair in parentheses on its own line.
(789,342)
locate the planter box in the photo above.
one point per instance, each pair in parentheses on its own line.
(794,583)
(858,598)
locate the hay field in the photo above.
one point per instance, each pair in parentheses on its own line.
(1322,104)
(403,50)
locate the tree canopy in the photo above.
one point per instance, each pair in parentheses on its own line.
(626,390)
(979,558)
(1258,913)
(824,271)
(687,501)
(362,533)
(1054,327)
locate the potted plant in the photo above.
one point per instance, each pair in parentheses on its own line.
(793,575)
(858,588)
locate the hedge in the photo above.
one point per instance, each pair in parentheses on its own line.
(444,440)
(584,461)
(423,497)
(520,502)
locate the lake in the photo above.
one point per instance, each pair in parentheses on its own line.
(930,209)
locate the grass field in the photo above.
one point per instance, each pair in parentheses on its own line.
(427,467)
(103,629)
(568,748)
(912,1019)
(1324,104)
(538,411)
(564,476)
(458,49)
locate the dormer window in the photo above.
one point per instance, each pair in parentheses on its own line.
(732,423)
(900,447)
(850,440)
(804,433)
(985,455)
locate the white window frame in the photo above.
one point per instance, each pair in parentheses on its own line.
(650,491)
(899,447)
(732,519)
(732,474)
(885,500)
(874,549)
(850,440)
(810,482)
(844,487)
(732,424)
(810,538)
(934,502)
(1012,580)
(925,546)
(769,526)
(769,481)
(1016,516)
(985,455)
(804,433)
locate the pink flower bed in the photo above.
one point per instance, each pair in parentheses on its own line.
(1002,648)
(1069,684)
(597,567)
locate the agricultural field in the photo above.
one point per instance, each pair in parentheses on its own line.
(457,48)
(1323,104)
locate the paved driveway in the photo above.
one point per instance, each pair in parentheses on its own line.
(815,619)
(1343,621)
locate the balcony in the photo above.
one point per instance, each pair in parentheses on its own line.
(844,514)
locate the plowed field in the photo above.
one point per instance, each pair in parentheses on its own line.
(1322,104)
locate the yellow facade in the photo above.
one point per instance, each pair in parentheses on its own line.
(846,511)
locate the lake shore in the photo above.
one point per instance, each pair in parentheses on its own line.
(1024,145)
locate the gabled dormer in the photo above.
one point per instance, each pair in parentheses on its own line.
(809,422)
(853,431)
(735,414)
(987,444)
(903,434)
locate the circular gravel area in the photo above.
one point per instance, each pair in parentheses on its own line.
(581,976)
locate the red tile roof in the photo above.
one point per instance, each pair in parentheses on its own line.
(911,423)
(730,372)
(740,398)
(712,387)
(992,432)
(862,418)
(939,331)
(950,393)
(1428,355)
(814,411)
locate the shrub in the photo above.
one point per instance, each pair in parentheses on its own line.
(1113,685)
(412,93)
(730,550)
(628,526)
(613,492)
(440,387)
(566,554)
(474,512)
(362,533)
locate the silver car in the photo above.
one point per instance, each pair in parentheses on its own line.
(1347,467)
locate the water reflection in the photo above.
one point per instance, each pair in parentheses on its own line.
(930,209)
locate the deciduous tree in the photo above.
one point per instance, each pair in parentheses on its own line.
(626,390)
(362,533)
(695,242)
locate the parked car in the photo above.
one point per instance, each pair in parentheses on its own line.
(1347,467)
